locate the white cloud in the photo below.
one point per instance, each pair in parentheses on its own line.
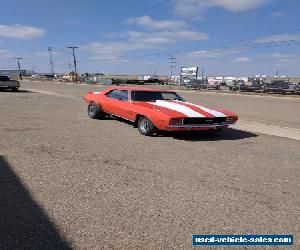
(278,38)
(207,53)
(108,50)
(277,14)
(165,37)
(163,34)
(277,55)
(242,59)
(239,5)
(140,41)
(281,58)
(148,23)
(20,31)
(194,8)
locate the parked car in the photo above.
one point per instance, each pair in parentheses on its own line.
(251,86)
(282,87)
(6,83)
(236,85)
(151,110)
(213,84)
(197,84)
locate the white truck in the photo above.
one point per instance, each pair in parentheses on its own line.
(6,83)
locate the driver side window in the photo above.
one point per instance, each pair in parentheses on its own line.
(118,94)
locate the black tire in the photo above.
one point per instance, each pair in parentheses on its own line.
(145,126)
(14,89)
(95,111)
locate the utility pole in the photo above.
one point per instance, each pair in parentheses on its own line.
(70,66)
(74,59)
(19,66)
(172,64)
(51,61)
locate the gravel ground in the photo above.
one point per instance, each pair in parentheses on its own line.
(71,182)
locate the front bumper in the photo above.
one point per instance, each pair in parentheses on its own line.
(199,126)
(7,85)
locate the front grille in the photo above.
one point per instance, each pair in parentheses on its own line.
(200,120)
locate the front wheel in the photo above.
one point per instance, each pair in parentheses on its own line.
(95,111)
(145,126)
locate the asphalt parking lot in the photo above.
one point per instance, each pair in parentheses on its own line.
(68,181)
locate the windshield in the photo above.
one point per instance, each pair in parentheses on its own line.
(152,96)
(4,78)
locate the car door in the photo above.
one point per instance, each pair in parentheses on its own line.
(116,102)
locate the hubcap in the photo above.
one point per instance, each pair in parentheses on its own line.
(92,111)
(144,125)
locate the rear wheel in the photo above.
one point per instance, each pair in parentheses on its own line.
(95,111)
(145,126)
(15,89)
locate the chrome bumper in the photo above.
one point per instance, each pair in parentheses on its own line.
(212,126)
(10,85)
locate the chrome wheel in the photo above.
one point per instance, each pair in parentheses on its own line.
(144,125)
(92,110)
(95,111)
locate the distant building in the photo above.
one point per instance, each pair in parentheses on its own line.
(14,72)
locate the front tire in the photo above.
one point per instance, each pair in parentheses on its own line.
(95,111)
(14,89)
(145,126)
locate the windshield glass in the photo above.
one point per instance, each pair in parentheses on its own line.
(152,96)
(4,78)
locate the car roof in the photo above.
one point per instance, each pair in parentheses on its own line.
(138,89)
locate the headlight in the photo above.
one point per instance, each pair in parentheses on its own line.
(176,121)
(231,119)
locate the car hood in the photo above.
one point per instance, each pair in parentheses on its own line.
(182,109)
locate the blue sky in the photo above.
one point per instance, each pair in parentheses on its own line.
(222,37)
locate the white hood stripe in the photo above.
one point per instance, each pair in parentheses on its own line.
(210,111)
(178,107)
(213,112)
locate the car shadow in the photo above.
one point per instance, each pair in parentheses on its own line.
(20,91)
(24,224)
(226,134)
